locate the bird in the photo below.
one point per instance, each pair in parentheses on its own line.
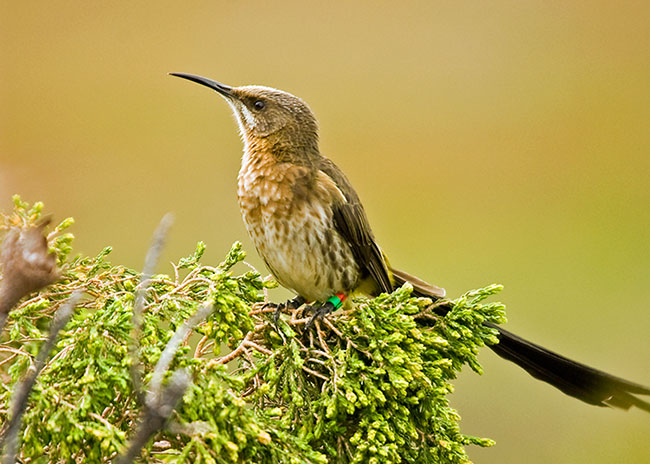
(310,228)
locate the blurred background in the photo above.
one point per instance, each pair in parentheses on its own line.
(491,142)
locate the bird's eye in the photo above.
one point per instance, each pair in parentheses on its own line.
(259,105)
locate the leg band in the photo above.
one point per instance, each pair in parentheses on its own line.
(337,300)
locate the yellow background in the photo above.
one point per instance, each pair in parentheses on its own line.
(500,141)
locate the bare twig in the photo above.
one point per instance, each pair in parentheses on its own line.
(315,374)
(154,419)
(170,350)
(153,254)
(19,403)
(263,309)
(201,346)
(235,353)
(332,328)
(319,333)
(161,401)
(304,320)
(259,348)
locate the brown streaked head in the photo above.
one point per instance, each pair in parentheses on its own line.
(265,111)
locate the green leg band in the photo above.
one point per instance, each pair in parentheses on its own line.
(337,300)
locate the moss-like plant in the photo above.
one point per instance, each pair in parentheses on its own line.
(365,385)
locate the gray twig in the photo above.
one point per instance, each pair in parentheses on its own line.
(153,254)
(161,401)
(154,418)
(170,350)
(19,402)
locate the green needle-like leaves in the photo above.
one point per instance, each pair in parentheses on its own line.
(368,385)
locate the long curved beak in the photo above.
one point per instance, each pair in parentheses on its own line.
(223,89)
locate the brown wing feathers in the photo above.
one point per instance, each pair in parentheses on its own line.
(351,222)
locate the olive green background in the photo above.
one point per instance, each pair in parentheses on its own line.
(498,141)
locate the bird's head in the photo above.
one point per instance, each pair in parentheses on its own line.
(264,112)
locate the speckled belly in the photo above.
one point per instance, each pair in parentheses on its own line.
(296,238)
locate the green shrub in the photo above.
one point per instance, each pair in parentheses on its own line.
(369,385)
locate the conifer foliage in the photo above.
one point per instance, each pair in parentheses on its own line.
(214,379)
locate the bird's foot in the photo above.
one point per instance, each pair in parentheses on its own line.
(329,306)
(295,303)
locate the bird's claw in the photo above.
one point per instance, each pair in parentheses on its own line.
(319,313)
(295,303)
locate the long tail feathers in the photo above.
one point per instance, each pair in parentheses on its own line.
(420,287)
(572,378)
